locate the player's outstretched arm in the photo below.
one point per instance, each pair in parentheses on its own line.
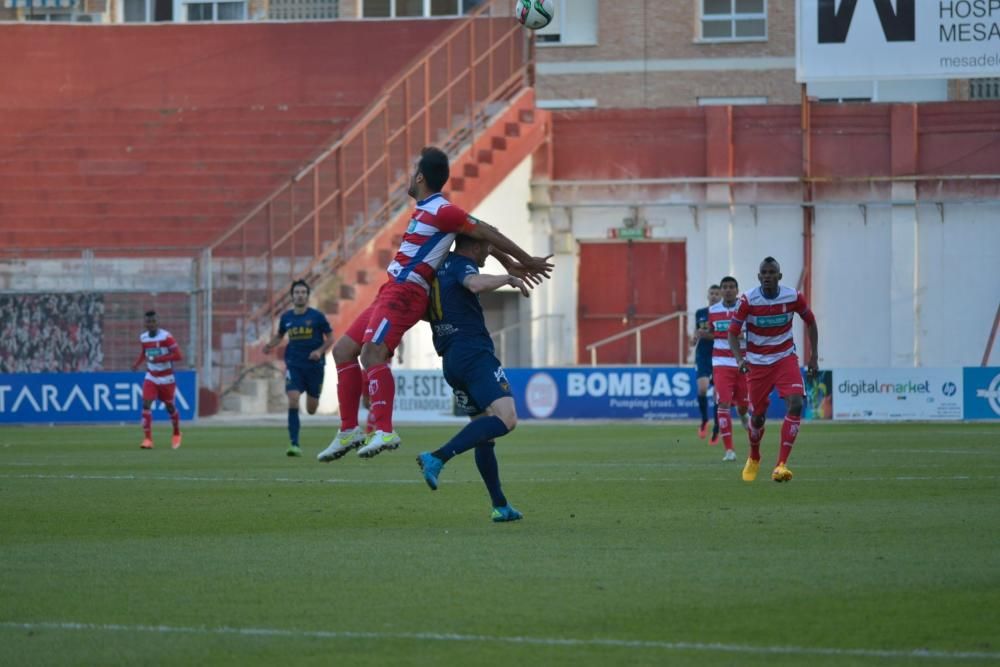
(484,282)
(515,268)
(139,360)
(484,231)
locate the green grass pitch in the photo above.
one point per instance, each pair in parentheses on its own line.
(639,546)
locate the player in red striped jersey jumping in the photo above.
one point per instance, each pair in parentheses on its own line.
(770,359)
(730,384)
(159,351)
(402,302)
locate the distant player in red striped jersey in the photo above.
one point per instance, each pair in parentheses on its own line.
(730,384)
(770,359)
(402,301)
(159,351)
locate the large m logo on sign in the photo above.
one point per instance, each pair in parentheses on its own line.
(899,25)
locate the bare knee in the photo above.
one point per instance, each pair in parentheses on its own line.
(504,409)
(293,400)
(757,421)
(794,404)
(373,354)
(346,350)
(312,404)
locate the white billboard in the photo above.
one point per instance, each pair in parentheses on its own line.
(423,396)
(897,393)
(838,40)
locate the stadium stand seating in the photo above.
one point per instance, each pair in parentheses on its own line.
(167,135)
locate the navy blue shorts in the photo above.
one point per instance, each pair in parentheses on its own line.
(703,366)
(476,378)
(308,379)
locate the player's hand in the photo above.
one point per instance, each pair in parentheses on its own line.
(539,266)
(514,281)
(518,270)
(528,275)
(316,355)
(812,369)
(744,367)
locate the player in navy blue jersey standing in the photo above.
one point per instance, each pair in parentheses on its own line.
(471,367)
(703,339)
(309,339)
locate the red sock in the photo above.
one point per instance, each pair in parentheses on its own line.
(789,430)
(726,428)
(175,419)
(756,435)
(147,424)
(349,386)
(382,389)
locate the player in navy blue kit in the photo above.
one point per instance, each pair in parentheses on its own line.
(471,367)
(309,338)
(703,360)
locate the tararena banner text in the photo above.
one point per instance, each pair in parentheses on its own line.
(68,398)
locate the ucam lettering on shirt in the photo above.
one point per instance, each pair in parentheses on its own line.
(637,383)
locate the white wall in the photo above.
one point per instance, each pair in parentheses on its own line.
(959,282)
(851,278)
(891,285)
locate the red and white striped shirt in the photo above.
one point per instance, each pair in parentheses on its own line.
(428,238)
(154,349)
(769,323)
(719,316)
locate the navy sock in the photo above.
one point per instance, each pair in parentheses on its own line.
(293,426)
(703,406)
(486,461)
(475,432)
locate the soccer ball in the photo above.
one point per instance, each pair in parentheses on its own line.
(534,14)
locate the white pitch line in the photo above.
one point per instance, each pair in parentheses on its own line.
(537,641)
(977,452)
(527,480)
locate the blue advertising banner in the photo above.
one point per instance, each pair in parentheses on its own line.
(54,398)
(605,393)
(982,392)
(632,392)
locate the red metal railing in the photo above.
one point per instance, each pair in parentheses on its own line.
(309,226)
(987,353)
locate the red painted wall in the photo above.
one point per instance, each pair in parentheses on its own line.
(211,65)
(848,140)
